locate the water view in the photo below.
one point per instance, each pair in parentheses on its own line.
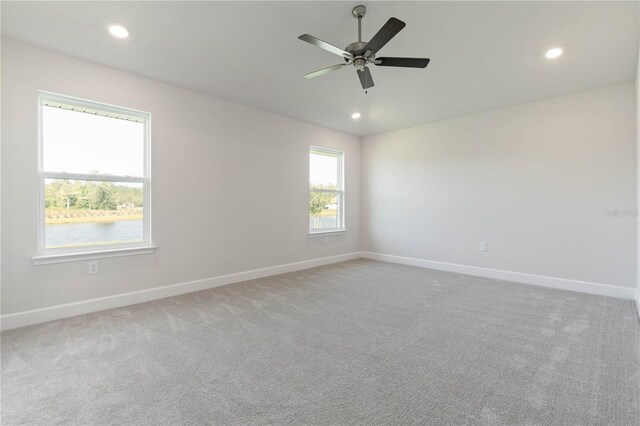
(82,213)
(78,234)
(75,234)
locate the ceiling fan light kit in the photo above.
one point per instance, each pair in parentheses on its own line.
(360,54)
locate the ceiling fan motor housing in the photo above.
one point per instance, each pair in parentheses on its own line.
(356,48)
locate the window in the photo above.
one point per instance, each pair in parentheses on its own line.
(94,177)
(326,192)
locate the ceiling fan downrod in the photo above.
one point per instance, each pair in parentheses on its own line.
(359,12)
(356,49)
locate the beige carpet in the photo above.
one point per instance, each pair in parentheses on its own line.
(358,342)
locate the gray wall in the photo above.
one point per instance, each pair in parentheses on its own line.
(246,174)
(534,181)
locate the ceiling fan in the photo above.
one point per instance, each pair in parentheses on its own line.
(360,53)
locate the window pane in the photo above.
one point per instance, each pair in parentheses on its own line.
(78,142)
(323,171)
(79,213)
(323,210)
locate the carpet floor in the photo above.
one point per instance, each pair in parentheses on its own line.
(360,342)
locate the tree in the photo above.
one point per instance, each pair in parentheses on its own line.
(86,199)
(61,193)
(104,198)
(319,201)
(85,195)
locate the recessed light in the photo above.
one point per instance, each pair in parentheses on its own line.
(118,31)
(553,53)
(355,115)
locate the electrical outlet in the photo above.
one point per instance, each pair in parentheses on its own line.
(483,246)
(93,268)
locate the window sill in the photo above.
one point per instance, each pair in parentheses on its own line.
(80,256)
(327,233)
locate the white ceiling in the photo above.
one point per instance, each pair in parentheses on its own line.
(483,55)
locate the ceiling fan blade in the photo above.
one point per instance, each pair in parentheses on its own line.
(325,70)
(384,34)
(325,46)
(365,78)
(403,62)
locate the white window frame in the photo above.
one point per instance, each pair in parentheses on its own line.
(340,191)
(65,254)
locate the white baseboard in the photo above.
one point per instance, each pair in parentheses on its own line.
(519,277)
(35,316)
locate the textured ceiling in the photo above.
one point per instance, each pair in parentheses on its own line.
(483,55)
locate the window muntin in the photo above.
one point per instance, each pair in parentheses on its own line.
(326,190)
(94,176)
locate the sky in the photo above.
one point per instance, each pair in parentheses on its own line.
(323,169)
(77,142)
